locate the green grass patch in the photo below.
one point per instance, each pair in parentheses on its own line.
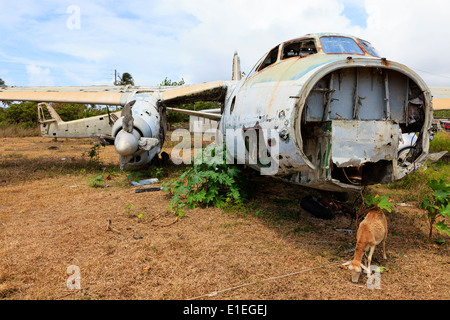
(424,175)
(416,181)
(441,142)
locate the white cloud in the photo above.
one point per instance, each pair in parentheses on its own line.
(87,52)
(252,28)
(414,33)
(196,39)
(39,76)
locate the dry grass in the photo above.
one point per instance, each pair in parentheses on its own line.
(11,131)
(50,218)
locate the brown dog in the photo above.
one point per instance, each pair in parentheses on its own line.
(371,231)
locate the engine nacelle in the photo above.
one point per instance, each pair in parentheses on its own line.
(139,144)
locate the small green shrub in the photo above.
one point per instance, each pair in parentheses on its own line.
(135,176)
(438,206)
(97,181)
(94,154)
(381,203)
(209,181)
(373,202)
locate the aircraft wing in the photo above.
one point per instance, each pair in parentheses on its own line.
(120,95)
(106,95)
(115,95)
(441,98)
(170,97)
(208,91)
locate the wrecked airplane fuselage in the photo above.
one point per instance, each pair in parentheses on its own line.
(325,108)
(338,108)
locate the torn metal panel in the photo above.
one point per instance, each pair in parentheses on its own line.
(408,168)
(358,142)
(318,150)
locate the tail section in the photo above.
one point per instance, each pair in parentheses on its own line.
(54,115)
(46,124)
(237,75)
(55,127)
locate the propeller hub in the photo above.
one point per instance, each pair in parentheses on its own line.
(126,143)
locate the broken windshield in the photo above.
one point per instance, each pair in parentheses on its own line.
(340,45)
(369,48)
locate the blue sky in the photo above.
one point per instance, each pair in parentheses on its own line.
(356,12)
(80,42)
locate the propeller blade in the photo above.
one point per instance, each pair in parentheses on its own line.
(148,143)
(127,122)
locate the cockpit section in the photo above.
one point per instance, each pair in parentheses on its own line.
(314,44)
(339,109)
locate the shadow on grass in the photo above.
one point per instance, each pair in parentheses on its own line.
(16,170)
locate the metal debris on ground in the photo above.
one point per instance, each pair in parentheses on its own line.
(144,182)
(148,190)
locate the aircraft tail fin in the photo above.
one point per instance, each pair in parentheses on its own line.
(47,125)
(54,115)
(237,75)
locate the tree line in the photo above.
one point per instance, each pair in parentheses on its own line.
(24,114)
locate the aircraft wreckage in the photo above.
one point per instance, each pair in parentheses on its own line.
(336,107)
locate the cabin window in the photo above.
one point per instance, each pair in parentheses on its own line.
(340,45)
(271,58)
(299,48)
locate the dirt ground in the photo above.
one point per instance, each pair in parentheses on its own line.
(128,246)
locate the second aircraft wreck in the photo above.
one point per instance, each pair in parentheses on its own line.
(336,107)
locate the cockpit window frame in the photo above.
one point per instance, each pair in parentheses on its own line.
(259,66)
(270,55)
(369,48)
(256,66)
(358,45)
(364,48)
(299,55)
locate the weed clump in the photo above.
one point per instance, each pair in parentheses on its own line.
(438,206)
(210,181)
